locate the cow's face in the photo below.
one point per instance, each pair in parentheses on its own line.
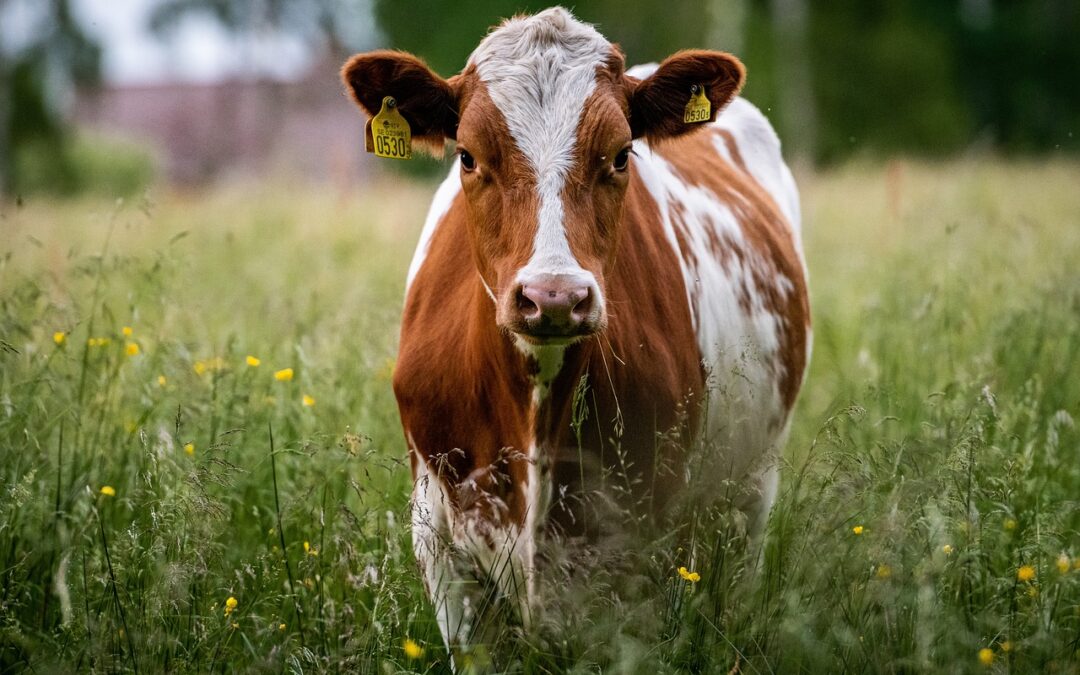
(544,118)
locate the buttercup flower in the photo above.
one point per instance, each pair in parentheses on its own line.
(308,401)
(161,380)
(108,490)
(1006,646)
(1025,573)
(412,649)
(858,529)
(252,361)
(59,336)
(687,575)
(131,348)
(284,375)
(947,549)
(126,330)
(309,549)
(1063,563)
(986,656)
(230,605)
(189,448)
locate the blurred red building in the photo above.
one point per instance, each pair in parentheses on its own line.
(237,127)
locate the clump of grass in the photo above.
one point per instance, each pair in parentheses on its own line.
(927,519)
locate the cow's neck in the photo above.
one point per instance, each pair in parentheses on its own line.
(551,372)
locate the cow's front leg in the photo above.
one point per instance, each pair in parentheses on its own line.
(476,562)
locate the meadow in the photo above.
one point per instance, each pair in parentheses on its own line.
(201,467)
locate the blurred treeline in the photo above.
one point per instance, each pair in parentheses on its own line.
(837,77)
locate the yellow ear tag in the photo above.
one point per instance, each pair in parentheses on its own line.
(390,134)
(698,108)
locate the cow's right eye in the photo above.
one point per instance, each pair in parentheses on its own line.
(468,163)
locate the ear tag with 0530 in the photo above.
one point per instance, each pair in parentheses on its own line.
(388,133)
(698,108)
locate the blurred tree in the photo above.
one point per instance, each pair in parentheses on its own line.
(38,66)
(444,34)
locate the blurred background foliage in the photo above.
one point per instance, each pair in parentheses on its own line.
(839,79)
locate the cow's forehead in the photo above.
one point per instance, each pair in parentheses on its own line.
(539,71)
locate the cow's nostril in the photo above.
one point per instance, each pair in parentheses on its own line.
(583,306)
(526,307)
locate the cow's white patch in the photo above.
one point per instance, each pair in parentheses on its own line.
(440,204)
(738,334)
(549,359)
(539,71)
(452,547)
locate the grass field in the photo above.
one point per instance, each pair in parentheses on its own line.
(929,517)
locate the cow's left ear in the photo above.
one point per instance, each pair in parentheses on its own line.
(658,102)
(427,102)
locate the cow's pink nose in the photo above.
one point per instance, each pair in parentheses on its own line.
(554,306)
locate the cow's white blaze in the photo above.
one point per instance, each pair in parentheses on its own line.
(539,71)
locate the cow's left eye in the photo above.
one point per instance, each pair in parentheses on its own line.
(622,160)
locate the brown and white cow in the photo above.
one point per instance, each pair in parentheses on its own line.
(584,230)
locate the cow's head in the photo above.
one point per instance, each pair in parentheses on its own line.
(544,117)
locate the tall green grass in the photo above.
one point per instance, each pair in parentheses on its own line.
(928,508)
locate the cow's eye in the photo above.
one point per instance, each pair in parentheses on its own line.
(468,163)
(622,160)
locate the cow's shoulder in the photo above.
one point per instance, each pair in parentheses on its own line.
(748,141)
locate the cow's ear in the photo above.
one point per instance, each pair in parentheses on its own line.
(427,102)
(658,103)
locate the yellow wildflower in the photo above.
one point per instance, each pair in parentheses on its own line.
(131,348)
(412,649)
(189,448)
(97,342)
(308,401)
(309,549)
(126,330)
(281,626)
(883,571)
(59,336)
(1009,524)
(252,361)
(284,375)
(986,656)
(200,367)
(858,529)
(235,625)
(1063,563)
(1025,573)
(1006,646)
(108,490)
(947,549)
(692,577)
(161,380)
(230,605)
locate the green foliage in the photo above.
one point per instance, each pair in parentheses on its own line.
(36,73)
(939,417)
(444,35)
(84,164)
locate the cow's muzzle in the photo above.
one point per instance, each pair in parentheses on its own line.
(554,308)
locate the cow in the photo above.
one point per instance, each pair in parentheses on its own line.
(589,244)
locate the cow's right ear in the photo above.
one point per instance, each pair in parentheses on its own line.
(427,102)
